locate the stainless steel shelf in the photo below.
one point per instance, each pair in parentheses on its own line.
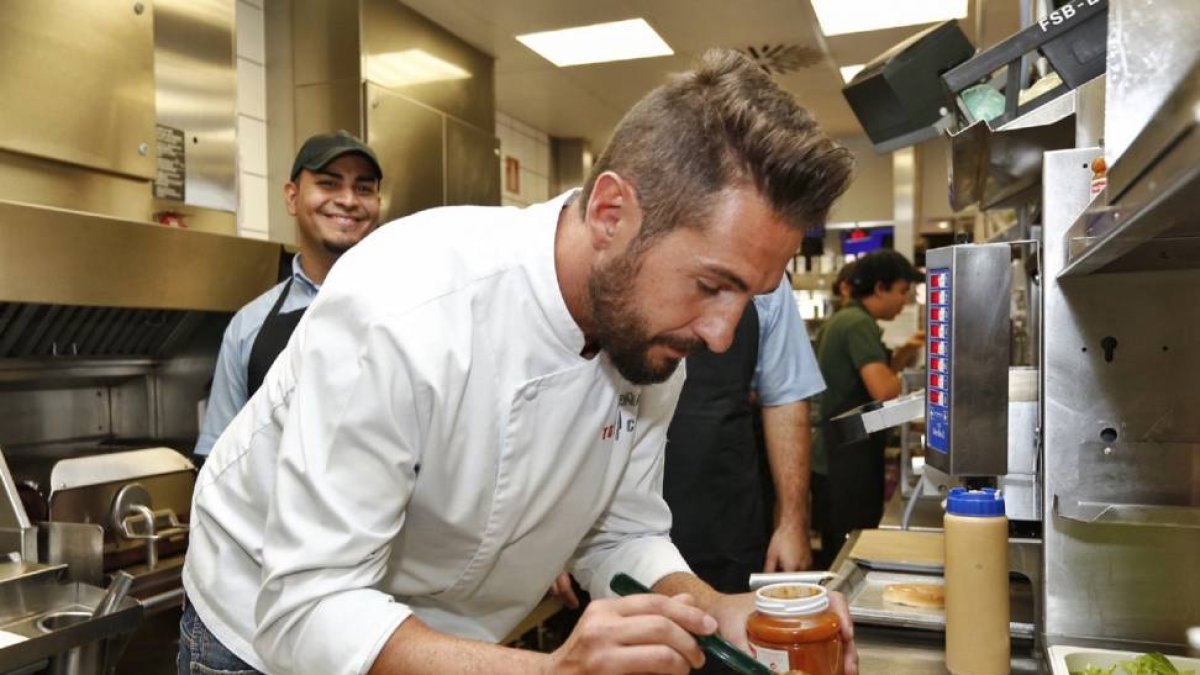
(1147,218)
(1102,513)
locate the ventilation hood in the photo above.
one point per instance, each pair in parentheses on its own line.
(79,284)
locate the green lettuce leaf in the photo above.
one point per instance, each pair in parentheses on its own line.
(1146,664)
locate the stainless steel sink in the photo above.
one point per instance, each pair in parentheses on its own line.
(55,619)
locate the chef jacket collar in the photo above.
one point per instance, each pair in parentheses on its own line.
(545,276)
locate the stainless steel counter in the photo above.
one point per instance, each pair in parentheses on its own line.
(910,652)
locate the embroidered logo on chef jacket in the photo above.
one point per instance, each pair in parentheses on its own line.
(627,406)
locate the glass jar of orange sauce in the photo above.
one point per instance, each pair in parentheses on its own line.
(795,631)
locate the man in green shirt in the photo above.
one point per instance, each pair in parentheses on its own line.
(848,477)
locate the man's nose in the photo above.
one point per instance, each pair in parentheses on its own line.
(346,196)
(717,327)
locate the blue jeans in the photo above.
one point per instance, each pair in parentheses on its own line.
(201,653)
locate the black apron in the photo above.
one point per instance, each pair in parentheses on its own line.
(712,479)
(853,491)
(276,330)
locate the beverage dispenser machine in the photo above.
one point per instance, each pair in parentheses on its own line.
(966,402)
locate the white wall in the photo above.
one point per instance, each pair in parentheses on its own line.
(253,190)
(869,196)
(933,157)
(531,150)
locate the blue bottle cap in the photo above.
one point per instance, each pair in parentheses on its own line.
(985,502)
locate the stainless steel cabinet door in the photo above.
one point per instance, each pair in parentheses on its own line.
(78,83)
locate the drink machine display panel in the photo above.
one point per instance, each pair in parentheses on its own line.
(967,328)
(937,397)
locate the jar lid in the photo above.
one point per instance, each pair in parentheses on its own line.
(984,502)
(791,599)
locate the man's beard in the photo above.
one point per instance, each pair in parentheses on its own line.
(621,332)
(337,248)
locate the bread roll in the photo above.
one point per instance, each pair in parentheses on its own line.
(916,595)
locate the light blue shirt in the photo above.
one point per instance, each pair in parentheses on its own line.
(787,369)
(229,380)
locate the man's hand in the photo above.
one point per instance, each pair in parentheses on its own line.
(646,633)
(732,611)
(789,550)
(906,354)
(837,602)
(562,590)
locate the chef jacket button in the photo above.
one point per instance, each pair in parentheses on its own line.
(530,393)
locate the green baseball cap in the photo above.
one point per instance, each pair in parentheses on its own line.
(318,151)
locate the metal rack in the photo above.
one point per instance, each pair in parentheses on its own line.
(1080,21)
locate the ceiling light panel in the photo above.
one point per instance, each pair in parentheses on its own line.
(838,17)
(597,43)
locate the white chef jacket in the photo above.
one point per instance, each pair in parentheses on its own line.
(430,442)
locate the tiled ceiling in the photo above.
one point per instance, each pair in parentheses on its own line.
(586,101)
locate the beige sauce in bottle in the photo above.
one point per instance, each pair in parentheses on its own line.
(977,592)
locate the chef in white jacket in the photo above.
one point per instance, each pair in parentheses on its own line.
(479,398)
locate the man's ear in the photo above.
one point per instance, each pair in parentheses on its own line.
(612,211)
(290,190)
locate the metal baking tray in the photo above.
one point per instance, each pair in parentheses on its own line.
(863,588)
(868,606)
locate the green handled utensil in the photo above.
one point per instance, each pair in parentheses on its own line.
(715,645)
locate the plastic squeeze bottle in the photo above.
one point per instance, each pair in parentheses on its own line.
(977,605)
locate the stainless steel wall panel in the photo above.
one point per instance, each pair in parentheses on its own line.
(407,137)
(1122,440)
(411,55)
(472,156)
(78,83)
(421,97)
(179,383)
(326,41)
(1151,49)
(328,106)
(33,416)
(36,180)
(195,85)
(132,410)
(572,162)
